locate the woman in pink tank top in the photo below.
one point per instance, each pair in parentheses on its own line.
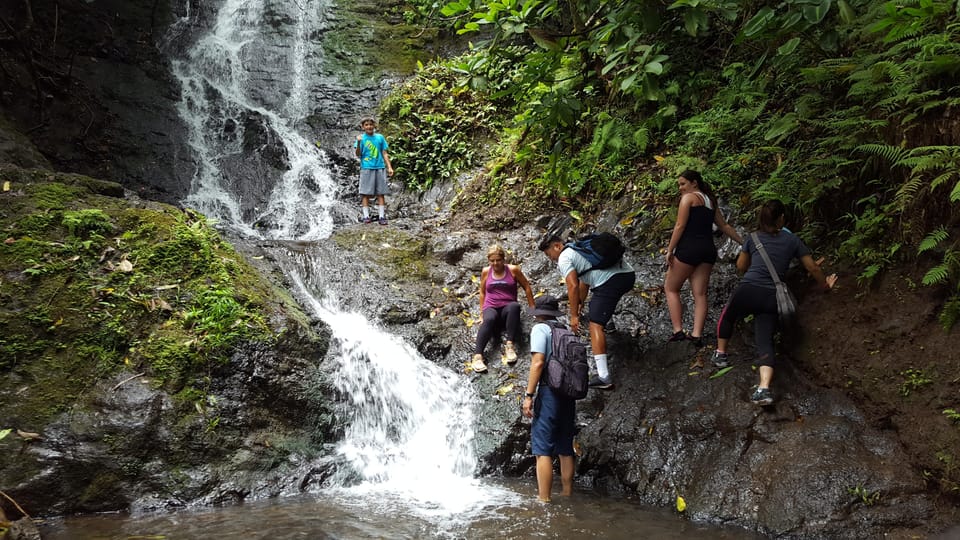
(499,284)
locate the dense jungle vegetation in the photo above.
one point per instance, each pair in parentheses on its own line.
(846,110)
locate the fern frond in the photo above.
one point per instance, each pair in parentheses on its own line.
(908,192)
(933,239)
(937,274)
(936,182)
(955,194)
(950,313)
(894,154)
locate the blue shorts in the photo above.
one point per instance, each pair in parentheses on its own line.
(554,424)
(604,298)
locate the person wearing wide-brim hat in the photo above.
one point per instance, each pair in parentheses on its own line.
(554,416)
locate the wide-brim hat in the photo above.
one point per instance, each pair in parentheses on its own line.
(546,306)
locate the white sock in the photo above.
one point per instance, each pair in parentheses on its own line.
(382,211)
(602,370)
(366,212)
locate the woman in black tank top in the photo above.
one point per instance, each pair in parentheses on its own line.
(691,252)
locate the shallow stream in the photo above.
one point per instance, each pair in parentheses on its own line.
(487,509)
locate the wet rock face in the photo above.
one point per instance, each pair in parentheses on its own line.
(133,446)
(107,106)
(807,467)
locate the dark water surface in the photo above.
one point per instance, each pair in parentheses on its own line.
(512,512)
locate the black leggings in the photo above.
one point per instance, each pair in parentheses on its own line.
(760,302)
(494,319)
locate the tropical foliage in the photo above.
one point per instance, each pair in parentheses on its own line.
(844,109)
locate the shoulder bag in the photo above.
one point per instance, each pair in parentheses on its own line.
(786,302)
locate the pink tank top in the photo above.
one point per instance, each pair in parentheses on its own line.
(500,291)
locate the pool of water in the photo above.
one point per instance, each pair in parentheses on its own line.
(508,510)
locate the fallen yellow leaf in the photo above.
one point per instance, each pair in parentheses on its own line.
(6,186)
(681,504)
(658,159)
(505,389)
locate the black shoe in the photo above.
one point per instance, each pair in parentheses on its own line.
(599,383)
(761,396)
(680,335)
(720,360)
(697,341)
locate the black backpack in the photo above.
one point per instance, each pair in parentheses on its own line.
(603,250)
(567,370)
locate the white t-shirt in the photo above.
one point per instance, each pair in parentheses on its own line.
(572,261)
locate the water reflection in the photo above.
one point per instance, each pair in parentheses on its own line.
(512,512)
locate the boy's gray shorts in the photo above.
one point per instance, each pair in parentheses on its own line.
(374,182)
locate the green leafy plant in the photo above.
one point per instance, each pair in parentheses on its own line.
(865,496)
(914,379)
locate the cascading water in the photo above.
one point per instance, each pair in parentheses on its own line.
(222,108)
(409,423)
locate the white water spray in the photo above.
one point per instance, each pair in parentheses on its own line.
(409,435)
(410,422)
(216,104)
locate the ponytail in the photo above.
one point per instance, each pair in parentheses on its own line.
(702,185)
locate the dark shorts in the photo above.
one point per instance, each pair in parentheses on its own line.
(554,424)
(694,251)
(604,299)
(373,182)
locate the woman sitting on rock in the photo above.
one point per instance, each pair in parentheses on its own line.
(498,301)
(756,294)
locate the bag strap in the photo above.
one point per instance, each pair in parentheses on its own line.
(766,258)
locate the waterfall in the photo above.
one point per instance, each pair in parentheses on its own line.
(223,99)
(409,423)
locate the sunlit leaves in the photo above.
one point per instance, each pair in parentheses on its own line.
(758,23)
(721,372)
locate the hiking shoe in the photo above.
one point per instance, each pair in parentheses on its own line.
(477,364)
(600,383)
(366,220)
(382,221)
(679,335)
(720,360)
(511,353)
(697,341)
(761,396)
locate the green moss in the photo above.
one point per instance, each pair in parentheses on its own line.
(93,286)
(364,30)
(55,196)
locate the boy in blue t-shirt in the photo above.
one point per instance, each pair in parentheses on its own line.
(375,167)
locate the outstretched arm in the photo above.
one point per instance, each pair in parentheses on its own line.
(726,228)
(813,268)
(523,282)
(573,295)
